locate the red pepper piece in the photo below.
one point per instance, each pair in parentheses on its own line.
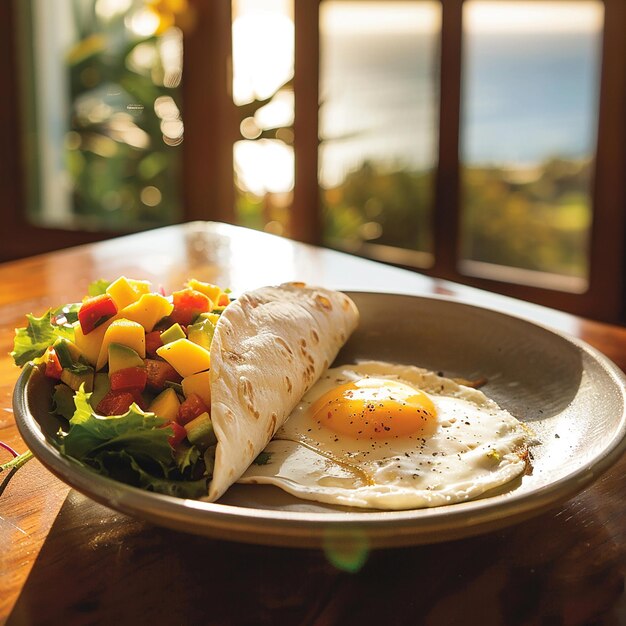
(53,366)
(96,311)
(129,378)
(178,435)
(153,342)
(158,373)
(191,408)
(115,403)
(188,304)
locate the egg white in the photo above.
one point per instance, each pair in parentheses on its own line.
(473,446)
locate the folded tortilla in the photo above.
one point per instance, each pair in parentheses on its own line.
(270,346)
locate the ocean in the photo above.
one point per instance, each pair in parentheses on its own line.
(525,98)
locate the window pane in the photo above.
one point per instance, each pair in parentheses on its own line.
(104,124)
(378,120)
(529,118)
(263,64)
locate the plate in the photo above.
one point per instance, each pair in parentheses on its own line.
(570,395)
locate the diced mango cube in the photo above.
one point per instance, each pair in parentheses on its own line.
(123,292)
(140,286)
(200,384)
(90,344)
(185,357)
(209,290)
(126,332)
(166,405)
(148,310)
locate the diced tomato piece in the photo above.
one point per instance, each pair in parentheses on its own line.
(223,300)
(129,378)
(53,366)
(178,435)
(153,342)
(115,403)
(158,373)
(96,311)
(139,399)
(191,408)
(188,304)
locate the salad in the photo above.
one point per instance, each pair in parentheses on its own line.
(131,372)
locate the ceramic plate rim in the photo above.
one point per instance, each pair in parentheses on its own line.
(306,529)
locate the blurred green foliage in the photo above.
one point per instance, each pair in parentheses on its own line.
(115,147)
(535,219)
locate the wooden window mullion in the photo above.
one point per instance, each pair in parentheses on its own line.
(446,206)
(306,224)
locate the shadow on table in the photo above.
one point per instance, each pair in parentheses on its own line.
(98,566)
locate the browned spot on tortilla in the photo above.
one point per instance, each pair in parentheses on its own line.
(346,304)
(310,359)
(272,424)
(325,364)
(245,389)
(289,385)
(315,336)
(250,448)
(252,301)
(285,347)
(303,342)
(299,285)
(308,374)
(323,302)
(232,356)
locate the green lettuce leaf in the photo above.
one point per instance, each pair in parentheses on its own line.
(32,341)
(132,448)
(122,466)
(137,432)
(98,287)
(63,401)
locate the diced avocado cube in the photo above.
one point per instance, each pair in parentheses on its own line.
(101,387)
(201,332)
(75,377)
(200,431)
(67,352)
(166,405)
(121,357)
(174,332)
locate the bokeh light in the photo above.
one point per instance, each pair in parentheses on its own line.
(347,550)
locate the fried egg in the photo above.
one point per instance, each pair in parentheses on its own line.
(385,436)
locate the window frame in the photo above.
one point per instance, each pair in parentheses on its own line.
(604,298)
(208,187)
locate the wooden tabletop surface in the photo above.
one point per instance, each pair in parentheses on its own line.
(65,559)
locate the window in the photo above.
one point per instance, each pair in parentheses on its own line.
(378,113)
(105,120)
(474,140)
(530,82)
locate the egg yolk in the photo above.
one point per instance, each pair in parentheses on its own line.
(375,408)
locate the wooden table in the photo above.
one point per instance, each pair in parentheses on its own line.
(65,559)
